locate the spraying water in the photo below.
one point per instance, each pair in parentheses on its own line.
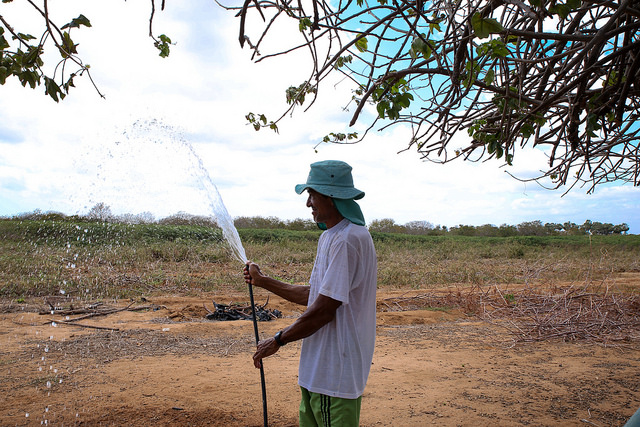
(151,170)
(219,209)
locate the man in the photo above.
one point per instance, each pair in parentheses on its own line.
(339,324)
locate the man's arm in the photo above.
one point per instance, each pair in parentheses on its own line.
(322,311)
(294,293)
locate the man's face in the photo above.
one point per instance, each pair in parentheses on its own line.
(322,207)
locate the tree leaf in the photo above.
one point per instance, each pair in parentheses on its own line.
(4,73)
(77,22)
(490,77)
(483,27)
(52,89)
(382,107)
(574,4)
(304,24)
(560,9)
(361,44)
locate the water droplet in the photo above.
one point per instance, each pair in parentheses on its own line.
(26,415)
(48,384)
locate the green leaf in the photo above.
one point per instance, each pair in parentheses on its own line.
(342,60)
(361,43)
(494,48)
(304,24)
(3,43)
(560,9)
(382,107)
(491,147)
(297,94)
(404,100)
(30,78)
(483,27)
(472,69)
(419,47)
(490,77)
(163,45)
(77,22)
(52,89)
(4,73)
(68,47)
(24,37)
(527,130)
(30,58)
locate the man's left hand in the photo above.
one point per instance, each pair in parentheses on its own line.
(265,349)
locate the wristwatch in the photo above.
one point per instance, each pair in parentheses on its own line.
(278,338)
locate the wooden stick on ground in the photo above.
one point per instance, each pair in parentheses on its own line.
(70,323)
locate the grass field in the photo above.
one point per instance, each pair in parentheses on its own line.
(99,260)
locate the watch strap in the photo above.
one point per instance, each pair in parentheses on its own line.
(278,338)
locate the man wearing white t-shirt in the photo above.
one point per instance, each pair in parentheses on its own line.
(339,323)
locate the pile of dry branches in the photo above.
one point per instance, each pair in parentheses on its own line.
(535,314)
(242,312)
(566,313)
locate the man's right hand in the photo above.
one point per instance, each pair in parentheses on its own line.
(251,272)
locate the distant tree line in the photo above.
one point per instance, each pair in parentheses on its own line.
(527,228)
(102,213)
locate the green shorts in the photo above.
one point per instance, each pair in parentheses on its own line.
(319,410)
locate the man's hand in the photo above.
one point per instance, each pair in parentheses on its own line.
(265,348)
(251,273)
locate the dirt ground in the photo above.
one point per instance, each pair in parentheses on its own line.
(170,366)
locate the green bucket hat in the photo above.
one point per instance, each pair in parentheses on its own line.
(333,178)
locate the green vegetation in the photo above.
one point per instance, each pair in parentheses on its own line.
(102,260)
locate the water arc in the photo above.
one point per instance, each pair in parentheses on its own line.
(150,167)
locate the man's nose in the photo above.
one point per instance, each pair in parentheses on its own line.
(309,201)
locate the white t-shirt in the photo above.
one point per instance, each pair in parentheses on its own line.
(336,360)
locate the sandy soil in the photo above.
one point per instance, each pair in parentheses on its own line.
(170,366)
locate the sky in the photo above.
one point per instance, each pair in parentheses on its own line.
(171,131)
